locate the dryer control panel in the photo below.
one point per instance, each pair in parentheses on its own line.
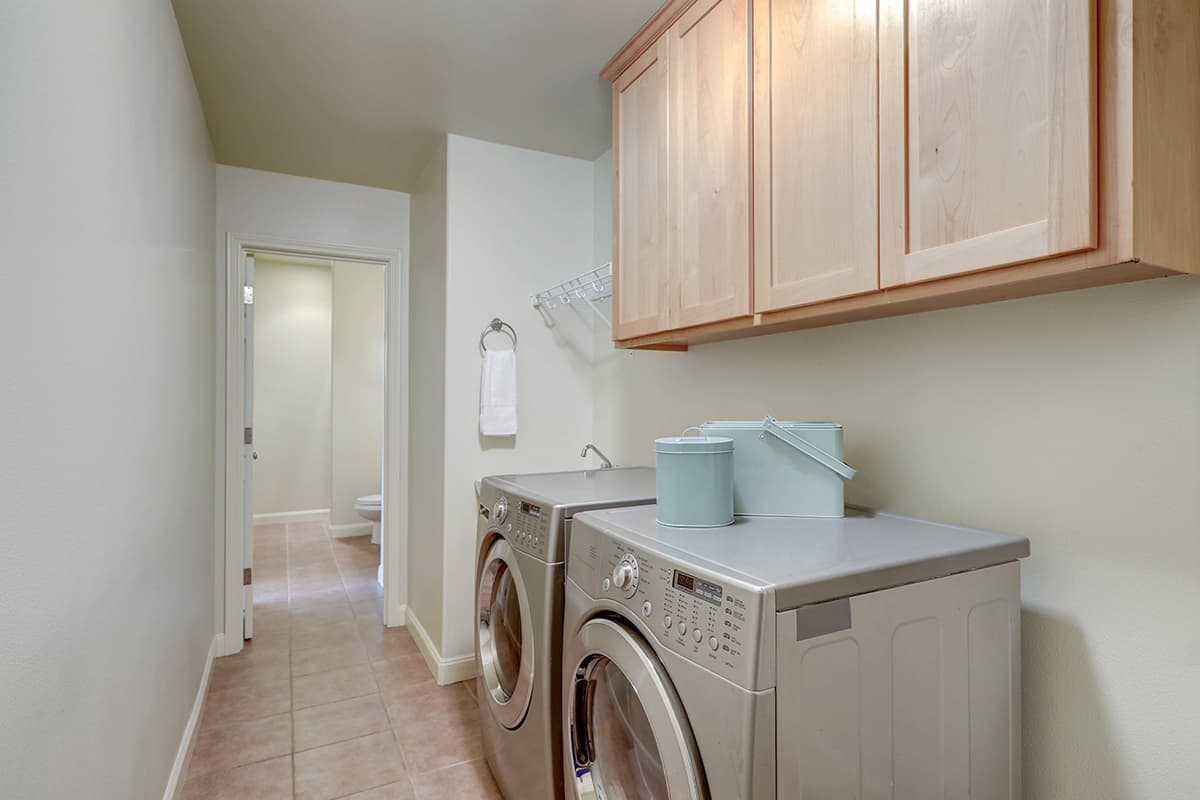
(524,524)
(711,620)
(527,528)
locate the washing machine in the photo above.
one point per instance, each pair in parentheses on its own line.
(524,525)
(867,657)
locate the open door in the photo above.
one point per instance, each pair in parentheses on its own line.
(248,454)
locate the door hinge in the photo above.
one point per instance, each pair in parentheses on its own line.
(248,436)
(247,576)
(247,295)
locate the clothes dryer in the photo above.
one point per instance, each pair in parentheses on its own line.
(522,534)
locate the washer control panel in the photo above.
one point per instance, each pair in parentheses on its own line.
(703,617)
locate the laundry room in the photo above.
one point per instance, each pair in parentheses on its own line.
(644,400)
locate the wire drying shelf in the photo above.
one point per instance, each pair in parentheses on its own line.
(589,287)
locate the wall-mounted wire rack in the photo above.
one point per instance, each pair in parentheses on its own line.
(589,287)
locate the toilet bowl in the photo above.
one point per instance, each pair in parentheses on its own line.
(370,507)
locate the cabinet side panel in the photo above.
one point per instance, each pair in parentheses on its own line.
(919,698)
(990,699)
(819,723)
(918,695)
(1166,133)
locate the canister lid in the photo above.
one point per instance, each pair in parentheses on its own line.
(757,424)
(693,444)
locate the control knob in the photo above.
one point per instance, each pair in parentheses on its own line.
(625,575)
(500,510)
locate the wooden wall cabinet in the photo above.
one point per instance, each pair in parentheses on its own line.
(643,284)
(816,146)
(681,160)
(902,156)
(988,116)
(710,161)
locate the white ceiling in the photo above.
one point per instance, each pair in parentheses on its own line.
(360,90)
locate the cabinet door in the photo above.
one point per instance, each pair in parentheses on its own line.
(987,134)
(816,213)
(710,162)
(642,285)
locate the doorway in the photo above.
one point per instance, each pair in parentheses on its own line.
(333,432)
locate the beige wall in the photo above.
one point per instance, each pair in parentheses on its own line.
(1072,419)
(106,478)
(293,324)
(427,398)
(515,221)
(357,388)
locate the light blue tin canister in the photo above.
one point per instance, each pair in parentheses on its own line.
(694,476)
(786,469)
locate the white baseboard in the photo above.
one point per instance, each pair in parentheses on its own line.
(350,529)
(233,643)
(445,670)
(175,780)
(401,618)
(312,515)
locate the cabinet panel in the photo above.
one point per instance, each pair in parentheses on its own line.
(987,134)
(816,213)
(642,262)
(710,162)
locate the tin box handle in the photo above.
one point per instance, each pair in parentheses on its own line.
(830,462)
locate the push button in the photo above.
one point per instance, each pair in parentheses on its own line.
(712,643)
(683,629)
(697,634)
(669,621)
(647,609)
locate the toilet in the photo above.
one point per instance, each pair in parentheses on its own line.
(370,507)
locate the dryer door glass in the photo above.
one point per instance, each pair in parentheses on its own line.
(505,650)
(630,737)
(505,616)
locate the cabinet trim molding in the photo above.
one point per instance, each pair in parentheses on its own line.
(645,38)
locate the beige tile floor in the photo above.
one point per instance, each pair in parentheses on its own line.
(325,702)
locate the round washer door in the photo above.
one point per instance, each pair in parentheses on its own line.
(505,636)
(630,738)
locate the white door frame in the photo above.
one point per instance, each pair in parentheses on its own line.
(395,418)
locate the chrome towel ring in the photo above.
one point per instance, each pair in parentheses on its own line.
(497,325)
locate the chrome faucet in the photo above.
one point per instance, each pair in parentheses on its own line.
(604,462)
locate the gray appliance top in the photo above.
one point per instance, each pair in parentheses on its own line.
(581,490)
(808,560)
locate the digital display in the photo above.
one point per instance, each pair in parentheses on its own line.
(531,510)
(700,588)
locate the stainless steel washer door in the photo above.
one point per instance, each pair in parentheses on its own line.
(505,638)
(630,738)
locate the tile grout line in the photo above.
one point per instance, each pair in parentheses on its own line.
(287,572)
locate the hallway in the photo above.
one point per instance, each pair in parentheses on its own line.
(325,702)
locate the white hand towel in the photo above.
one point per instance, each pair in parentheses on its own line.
(498,393)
